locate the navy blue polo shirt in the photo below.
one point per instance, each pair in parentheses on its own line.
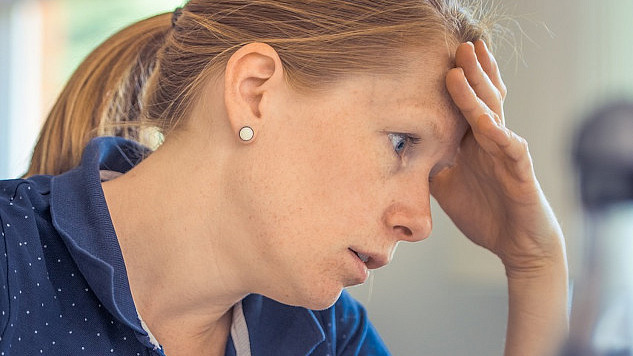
(65,289)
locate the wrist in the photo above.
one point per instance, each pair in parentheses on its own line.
(537,268)
(540,261)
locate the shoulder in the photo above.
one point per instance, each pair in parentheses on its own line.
(23,203)
(23,216)
(24,208)
(24,193)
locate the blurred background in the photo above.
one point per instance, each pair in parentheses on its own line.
(444,296)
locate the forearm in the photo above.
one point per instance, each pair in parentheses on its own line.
(537,319)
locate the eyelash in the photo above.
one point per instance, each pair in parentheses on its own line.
(405,143)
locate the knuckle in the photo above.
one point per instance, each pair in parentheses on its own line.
(498,95)
(494,64)
(470,110)
(523,143)
(497,118)
(503,90)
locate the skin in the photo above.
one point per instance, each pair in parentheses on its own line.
(506,210)
(208,219)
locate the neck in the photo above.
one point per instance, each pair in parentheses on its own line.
(182,268)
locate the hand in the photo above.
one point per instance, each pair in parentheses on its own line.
(491,193)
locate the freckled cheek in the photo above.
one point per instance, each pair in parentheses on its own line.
(349,186)
(320,186)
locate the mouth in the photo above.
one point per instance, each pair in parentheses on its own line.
(361,256)
(361,268)
(371,260)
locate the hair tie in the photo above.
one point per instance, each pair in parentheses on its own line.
(175,15)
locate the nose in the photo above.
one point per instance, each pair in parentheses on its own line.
(409,218)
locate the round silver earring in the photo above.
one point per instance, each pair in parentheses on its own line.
(246,133)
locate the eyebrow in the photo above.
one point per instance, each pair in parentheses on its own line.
(435,130)
(431,125)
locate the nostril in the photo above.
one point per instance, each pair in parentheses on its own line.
(405,230)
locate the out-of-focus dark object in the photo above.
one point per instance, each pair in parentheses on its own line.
(602,311)
(604,156)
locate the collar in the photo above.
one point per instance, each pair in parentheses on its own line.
(278,329)
(80,215)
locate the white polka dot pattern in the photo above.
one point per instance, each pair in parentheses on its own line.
(46,305)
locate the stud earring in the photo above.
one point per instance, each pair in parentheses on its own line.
(246,133)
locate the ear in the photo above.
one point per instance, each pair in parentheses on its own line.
(253,73)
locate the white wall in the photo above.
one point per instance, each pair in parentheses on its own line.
(20,116)
(5,42)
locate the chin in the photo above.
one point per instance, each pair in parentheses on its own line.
(322,302)
(315,296)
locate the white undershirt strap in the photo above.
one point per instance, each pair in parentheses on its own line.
(152,339)
(106,175)
(239,332)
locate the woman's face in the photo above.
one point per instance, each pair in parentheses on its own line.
(333,181)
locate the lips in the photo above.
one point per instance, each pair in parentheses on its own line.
(372,260)
(362,257)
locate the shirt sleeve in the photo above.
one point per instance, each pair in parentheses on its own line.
(353,332)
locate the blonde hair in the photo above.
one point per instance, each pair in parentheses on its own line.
(151,73)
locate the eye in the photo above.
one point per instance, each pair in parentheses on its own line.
(401,142)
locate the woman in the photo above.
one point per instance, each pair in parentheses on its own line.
(302,142)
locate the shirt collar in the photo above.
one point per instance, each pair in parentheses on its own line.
(80,214)
(278,329)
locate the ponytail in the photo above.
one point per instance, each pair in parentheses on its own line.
(103,96)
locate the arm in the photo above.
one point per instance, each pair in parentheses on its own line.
(494,198)
(537,320)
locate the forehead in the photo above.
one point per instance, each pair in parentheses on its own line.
(416,92)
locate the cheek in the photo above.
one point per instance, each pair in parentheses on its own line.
(320,176)
(304,213)
(313,194)
(344,175)
(316,198)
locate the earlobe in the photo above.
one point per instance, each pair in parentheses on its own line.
(252,73)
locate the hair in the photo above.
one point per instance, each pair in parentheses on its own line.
(151,73)
(101,97)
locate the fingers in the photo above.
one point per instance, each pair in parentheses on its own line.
(491,136)
(489,65)
(465,97)
(514,146)
(471,62)
(473,85)
(488,128)
(502,143)
(478,91)
(473,108)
